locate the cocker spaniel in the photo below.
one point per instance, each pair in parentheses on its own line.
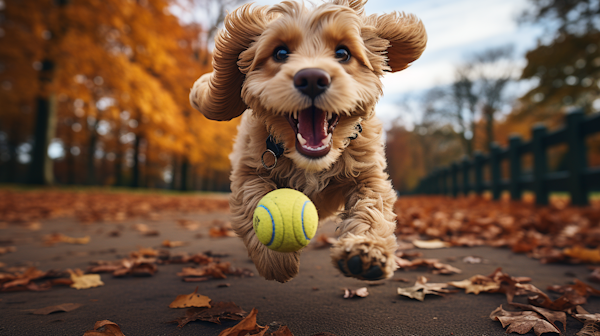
(305,81)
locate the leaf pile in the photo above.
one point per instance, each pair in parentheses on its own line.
(32,279)
(557,232)
(30,206)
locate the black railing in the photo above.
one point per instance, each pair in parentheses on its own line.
(578,180)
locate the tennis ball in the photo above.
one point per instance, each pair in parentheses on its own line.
(285,220)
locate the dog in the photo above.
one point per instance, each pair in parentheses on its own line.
(305,81)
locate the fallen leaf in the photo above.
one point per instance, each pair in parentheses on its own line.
(350,293)
(591,322)
(573,295)
(523,321)
(168,243)
(221,229)
(435,266)
(56,238)
(421,288)
(430,244)
(477,284)
(190,300)
(583,254)
(472,260)
(8,249)
(188,224)
(105,328)
(247,326)
(282,331)
(144,252)
(217,312)
(323,241)
(65,307)
(85,281)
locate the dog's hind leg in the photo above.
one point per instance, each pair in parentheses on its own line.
(366,246)
(246,193)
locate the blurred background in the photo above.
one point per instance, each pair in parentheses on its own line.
(95,92)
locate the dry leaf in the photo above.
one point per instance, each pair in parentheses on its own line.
(477,284)
(591,322)
(219,311)
(350,293)
(247,326)
(523,321)
(582,254)
(190,300)
(435,266)
(430,244)
(188,224)
(282,331)
(105,328)
(168,243)
(323,241)
(221,229)
(421,288)
(8,249)
(84,281)
(65,307)
(56,238)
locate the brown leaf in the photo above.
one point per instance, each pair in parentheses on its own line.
(282,331)
(218,311)
(583,254)
(168,243)
(56,238)
(188,224)
(8,249)
(523,321)
(191,300)
(591,322)
(477,284)
(421,288)
(65,307)
(434,265)
(430,244)
(323,241)
(246,326)
(104,328)
(350,293)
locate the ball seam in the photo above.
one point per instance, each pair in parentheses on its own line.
(272,223)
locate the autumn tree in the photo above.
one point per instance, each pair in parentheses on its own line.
(566,62)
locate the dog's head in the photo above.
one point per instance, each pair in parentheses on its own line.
(310,74)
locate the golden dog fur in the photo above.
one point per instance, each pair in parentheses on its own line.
(350,180)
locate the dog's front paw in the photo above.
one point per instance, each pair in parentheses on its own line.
(364,257)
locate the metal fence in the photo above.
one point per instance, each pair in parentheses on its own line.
(578,180)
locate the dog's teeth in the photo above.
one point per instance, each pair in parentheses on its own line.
(329,115)
(326,141)
(296,115)
(301,140)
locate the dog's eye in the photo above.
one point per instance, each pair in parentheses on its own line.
(280,54)
(342,54)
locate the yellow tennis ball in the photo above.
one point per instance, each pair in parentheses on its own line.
(285,220)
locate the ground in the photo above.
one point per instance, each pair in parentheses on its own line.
(311,303)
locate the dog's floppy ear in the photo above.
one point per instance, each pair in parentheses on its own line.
(406,36)
(218,94)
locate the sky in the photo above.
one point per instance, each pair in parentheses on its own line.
(455,29)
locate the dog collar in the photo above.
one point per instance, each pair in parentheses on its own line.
(275,149)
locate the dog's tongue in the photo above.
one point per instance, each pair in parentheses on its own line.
(312,126)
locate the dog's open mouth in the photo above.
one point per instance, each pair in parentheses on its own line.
(314,130)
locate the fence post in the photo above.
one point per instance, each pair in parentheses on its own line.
(454,173)
(540,164)
(465,171)
(478,165)
(514,157)
(495,170)
(576,158)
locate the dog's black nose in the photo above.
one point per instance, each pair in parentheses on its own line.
(312,82)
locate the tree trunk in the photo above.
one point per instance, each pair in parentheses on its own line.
(184,175)
(135,175)
(175,170)
(489,114)
(91,159)
(40,170)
